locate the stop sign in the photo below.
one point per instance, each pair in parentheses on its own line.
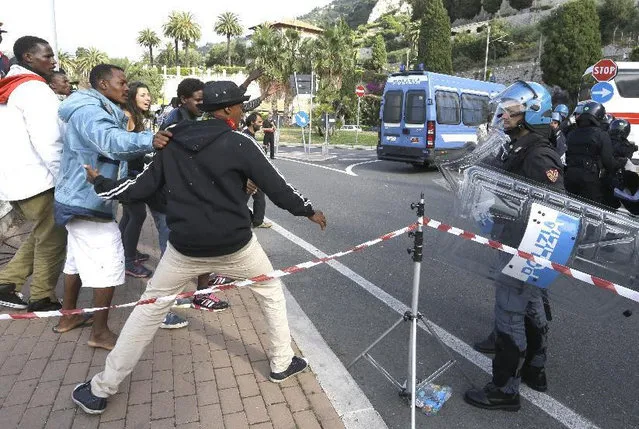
(604,70)
(360,90)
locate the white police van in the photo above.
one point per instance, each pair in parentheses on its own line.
(424,112)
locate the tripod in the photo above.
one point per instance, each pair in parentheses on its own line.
(409,388)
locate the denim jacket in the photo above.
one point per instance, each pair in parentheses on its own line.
(95,134)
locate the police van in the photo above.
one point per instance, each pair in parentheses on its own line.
(423,113)
(624,103)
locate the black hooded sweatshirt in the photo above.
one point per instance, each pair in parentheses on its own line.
(204,169)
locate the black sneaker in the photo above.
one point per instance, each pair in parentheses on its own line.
(492,398)
(89,403)
(44,304)
(298,364)
(137,270)
(209,303)
(141,257)
(10,298)
(534,377)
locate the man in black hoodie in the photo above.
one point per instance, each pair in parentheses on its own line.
(204,172)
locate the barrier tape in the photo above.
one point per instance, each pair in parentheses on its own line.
(570,272)
(431,223)
(240,283)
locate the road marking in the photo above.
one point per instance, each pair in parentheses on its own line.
(546,403)
(318,166)
(349,169)
(348,399)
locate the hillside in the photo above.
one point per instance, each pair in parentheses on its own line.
(358,12)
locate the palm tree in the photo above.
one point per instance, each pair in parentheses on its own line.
(228,24)
(66,63)
(337,54)
(90,58)
(172,30)
(149,39)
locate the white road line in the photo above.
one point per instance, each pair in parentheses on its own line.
(350,403)
(546,403)
(349,169)
(316,165)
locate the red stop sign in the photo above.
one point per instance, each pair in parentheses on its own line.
(604,70)
(360,90)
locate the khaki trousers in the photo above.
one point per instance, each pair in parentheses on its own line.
(42,254)
(171,276)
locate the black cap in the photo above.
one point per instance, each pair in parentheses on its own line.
(220,94)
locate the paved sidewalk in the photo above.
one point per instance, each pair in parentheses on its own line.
(212,374)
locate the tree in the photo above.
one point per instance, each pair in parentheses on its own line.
(188,32)
(166,57)
(88,59)
(520,4)
(634,55)
(66,63)
(149,39)
(182,28)
(572,43)
(492,6)
(171,30)
(615,15)
(379,59)
(434,47)
(467,8)
(228,24)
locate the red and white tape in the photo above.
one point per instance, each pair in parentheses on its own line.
(240,283)
(431,223)
(570,272)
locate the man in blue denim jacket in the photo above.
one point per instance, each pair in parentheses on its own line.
(95,135)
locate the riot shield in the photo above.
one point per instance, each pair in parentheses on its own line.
(538,220)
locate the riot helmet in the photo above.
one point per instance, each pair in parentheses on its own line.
(556,117)
(579,109)
(619,128)
(596,110)
(562,110)
(522,104)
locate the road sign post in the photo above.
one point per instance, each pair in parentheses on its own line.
(359,91)
(604,70)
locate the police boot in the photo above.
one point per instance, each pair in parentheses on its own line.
(534,377)
(487,345)
(492,398)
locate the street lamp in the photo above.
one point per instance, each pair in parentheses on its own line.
(488,46)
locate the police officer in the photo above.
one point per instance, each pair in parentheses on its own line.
(589,155)
(562,109)
(570,123)
(622,150)
(523,111)
(607,120)
(557,138)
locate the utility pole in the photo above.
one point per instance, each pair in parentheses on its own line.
(487,45)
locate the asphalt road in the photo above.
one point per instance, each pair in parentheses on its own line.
(592,367)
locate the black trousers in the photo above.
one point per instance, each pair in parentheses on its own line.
(269,139)
(133,216)
(259,207)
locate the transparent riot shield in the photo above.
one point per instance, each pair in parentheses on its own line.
(544,222)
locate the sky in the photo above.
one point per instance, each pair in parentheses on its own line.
(113,25)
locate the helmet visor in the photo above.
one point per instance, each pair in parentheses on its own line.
(511,105)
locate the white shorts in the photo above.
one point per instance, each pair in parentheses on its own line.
(95,251)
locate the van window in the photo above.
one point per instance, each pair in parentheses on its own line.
(415,110)
(628,83)
(447,103)
(393,107)
(474,109)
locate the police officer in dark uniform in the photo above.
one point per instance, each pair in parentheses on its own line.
(622,150)
(589,155)
(570,123)
(523,111)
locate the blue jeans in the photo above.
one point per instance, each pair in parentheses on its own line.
(163,229)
